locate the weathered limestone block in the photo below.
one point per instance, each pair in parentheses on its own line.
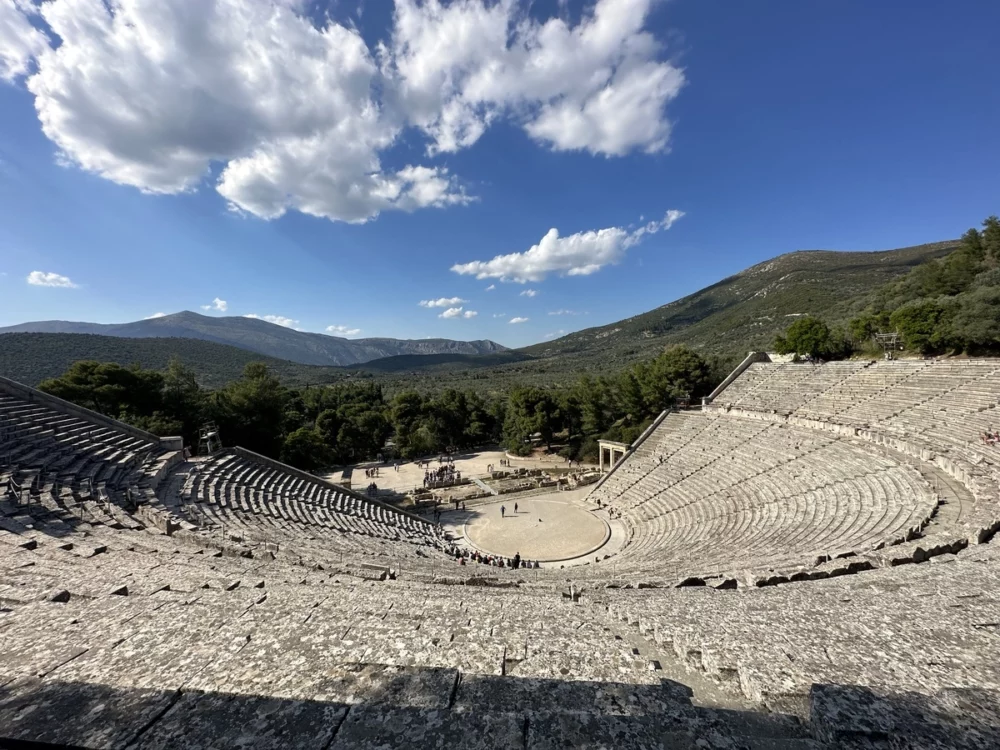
(94,716)
(201,721)
(380,728)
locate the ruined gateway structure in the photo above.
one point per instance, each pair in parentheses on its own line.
(812,551)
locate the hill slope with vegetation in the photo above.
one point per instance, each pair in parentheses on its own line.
(265,338)
(946,306)
(947,294)
(31,358)
(746,311)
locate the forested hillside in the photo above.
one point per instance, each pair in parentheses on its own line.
(943,296)
(745,311)
(263,337)
(946,306)
(31,358)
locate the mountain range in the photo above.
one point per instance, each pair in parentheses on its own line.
(265,338)
(735,315)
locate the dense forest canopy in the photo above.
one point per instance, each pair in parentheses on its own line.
(343,423)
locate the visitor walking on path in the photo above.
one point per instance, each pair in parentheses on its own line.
(503,511)
(515,509)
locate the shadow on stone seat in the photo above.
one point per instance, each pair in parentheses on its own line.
(379,706)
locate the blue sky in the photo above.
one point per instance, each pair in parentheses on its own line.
(393,155)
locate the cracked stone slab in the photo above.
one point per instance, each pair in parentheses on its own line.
(102,717)
(201,721)
(589,731)
(380,728)
(518,694)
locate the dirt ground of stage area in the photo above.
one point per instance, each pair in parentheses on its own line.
(410,474)
(549,527)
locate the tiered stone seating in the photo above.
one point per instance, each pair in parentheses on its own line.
(915,628)
(267,503)
(73,460)
(251,623)
(709,494)
(154,643)
(935,410)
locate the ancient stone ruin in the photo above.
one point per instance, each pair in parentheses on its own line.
(808,562)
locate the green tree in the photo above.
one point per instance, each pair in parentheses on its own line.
(594,397)
(109,388)
(806,336)
(529,411)
(305,449)
(406,416)
(679,371)
(864,327)
(976,322)
(921,324)
(250,411)
(183,400)
(991,238)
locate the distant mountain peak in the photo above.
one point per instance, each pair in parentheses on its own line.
(263,337)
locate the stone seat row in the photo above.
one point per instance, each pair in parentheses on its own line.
(914,628)
(269,505)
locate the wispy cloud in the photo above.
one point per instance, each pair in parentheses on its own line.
(529,293)
(491,287)
(519,320)
(566,312)
(219,305)
(442,302)
(279,320)
(155,315)
(43,278)
(343,330)
(552,335)
(579,254)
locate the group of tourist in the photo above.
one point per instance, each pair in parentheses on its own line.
(372,490)
(992,437)
(444,473)
(372,472)
(466,557)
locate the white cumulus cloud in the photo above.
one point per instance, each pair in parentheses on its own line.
(20,41)
(579,254)
(451,312)
(155,315)
(219,305)
(43,278)
(598,85)
(284,110)
(280,320)
(343,330)
(519,320)
(442,302)
(470,314)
